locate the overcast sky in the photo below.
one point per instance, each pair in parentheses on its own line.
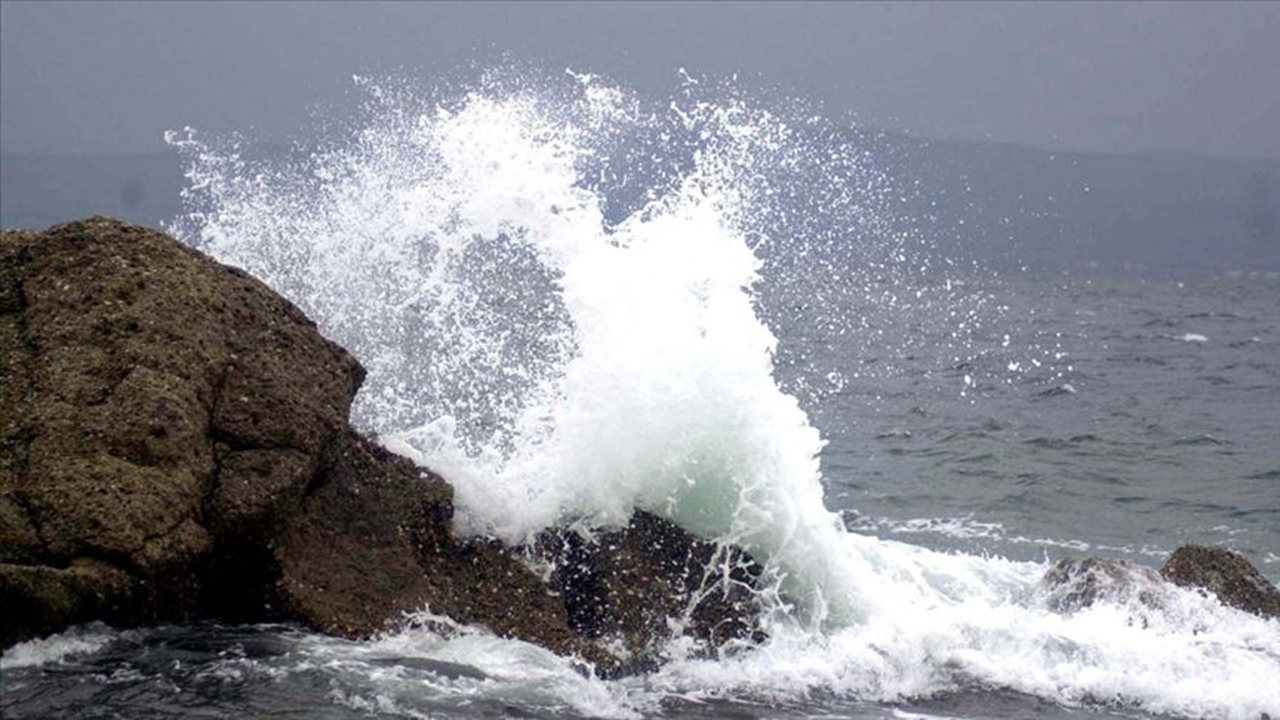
(92,76)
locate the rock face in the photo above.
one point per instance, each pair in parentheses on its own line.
(1225,574)
(174,445)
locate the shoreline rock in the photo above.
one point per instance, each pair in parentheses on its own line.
(175,446)
(1224,574)
(1075,583)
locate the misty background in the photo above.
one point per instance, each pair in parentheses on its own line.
(1135,139)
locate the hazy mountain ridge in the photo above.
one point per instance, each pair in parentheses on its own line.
(38,190)
(1005,207)
(1149,214)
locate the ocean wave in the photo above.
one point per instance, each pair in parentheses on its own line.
(563,354)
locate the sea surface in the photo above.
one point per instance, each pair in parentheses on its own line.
(1118,418)
(574,304)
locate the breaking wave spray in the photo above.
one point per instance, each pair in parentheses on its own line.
(556,287)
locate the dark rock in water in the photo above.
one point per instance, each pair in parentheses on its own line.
(174,445)
(631,586)
(1224,574)
(1076,583)
(371,543)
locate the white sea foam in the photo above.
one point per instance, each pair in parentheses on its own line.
(56,648)
(552,285)
(470,663)
(968,528)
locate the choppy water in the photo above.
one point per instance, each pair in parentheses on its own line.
(575,302)
(1140,416)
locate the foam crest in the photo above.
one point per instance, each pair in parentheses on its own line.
(55,648)
(556,364)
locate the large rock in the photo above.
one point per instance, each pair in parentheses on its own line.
(174,445)
(145,388)
(1224,574)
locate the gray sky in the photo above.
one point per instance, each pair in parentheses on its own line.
(1098,76)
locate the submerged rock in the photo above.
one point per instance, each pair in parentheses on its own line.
(174,445)
(1073,584)
(1224,574)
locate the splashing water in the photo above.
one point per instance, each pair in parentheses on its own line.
(555,286)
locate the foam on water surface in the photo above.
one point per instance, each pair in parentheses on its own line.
(56,648)
(555,287)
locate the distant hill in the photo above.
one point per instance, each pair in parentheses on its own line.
(1156,214)
(40,190)
(1007,207)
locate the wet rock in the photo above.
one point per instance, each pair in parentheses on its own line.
(1224,574)
(174,445)
(39,599)
(1073,584)
(373,543)
(643,585)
